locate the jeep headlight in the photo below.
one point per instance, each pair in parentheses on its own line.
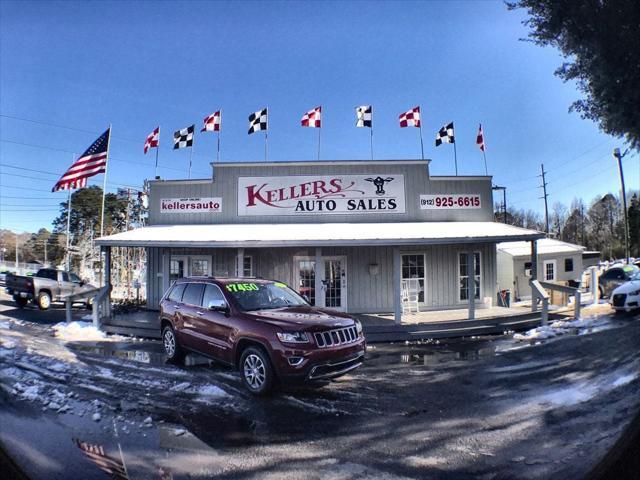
(293,337)
(358,327)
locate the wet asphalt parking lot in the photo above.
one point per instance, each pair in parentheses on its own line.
(466,408)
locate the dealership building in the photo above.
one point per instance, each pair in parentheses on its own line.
(349,235)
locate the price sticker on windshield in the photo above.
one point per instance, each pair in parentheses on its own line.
(241,287)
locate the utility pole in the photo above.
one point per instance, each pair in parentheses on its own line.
(17,273)
(504,201)
(546,208)
(619,156)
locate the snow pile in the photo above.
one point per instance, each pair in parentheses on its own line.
(538,333)
(211,391)
(560,327)
(5,325)
(78,331)
(8,344)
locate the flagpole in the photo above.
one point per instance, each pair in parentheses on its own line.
(421,143)
(319,129)
(265,145)
(190,160)
(219,130)
(455,156)
(104,183)
(484,155)
(157,148)
(69,228)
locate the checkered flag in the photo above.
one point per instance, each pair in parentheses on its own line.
(183,138)
(213,122)
(258,121)
(364,115)
(445,135)
(313,118)
(410,118)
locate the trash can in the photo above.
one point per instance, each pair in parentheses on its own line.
(504,298)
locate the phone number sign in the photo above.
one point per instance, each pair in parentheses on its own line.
(448,202)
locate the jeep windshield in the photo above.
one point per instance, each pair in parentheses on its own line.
(264,296)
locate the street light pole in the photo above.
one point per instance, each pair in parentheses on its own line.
(619,156)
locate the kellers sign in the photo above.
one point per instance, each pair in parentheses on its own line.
(321,195)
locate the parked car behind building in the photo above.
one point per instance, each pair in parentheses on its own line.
(614,277)
(261,327)
(626,297)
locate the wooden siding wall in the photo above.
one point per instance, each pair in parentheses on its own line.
(522,282)
(366,293)
(416,178)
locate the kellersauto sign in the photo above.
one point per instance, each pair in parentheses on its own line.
(321,195)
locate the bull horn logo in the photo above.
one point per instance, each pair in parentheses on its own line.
(379,183)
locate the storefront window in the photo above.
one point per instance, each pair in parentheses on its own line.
(307,280)
(413,268)
(199,267)
(464,276)
(176,269)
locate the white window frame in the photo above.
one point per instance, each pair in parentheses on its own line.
(459,290)
(555,270)
(201,257)
(424,279)
(185,259)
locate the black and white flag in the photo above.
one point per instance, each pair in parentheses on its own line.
(258,121)
(445,135)
(183,138)
(363,116)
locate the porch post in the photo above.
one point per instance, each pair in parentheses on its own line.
(240,263)
(534,272)
(166,258)
(397,292)
(471,284)
(107,266)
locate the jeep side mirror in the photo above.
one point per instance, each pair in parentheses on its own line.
(306,298)
(218,306)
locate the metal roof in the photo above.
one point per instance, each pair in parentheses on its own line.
(545,246)
(318,234)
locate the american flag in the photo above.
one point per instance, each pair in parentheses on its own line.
(410,118)
(213,122)
(113,467)
(92,162)
(313,118)
(480,139)
(152,140)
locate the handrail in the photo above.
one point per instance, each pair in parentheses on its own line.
(69,299)
(102,305)
(577,294)
(537,291)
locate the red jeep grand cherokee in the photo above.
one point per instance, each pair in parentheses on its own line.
(261,327)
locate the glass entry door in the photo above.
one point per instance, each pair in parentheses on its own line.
(333,279)
(335,282)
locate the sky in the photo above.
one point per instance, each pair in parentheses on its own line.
(70,69)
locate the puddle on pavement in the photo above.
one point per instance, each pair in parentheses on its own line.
(123,352)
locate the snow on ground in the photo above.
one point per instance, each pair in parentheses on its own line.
(5,325)
(78,331)
(561,327)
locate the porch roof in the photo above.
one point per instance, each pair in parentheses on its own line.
(318,234)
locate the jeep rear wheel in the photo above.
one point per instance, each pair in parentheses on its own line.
(171,346)
(44,300)
(256,371)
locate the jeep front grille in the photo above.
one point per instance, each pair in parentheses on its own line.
(339,336)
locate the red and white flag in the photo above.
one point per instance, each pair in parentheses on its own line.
(410,118)
(313,118)
(213,122)
(111,466)
(152,140)
(480,138)
(92,162)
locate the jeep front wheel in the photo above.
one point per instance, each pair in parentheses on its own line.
(256,371)
(171,346)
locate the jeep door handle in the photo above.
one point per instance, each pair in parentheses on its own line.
(177,307)
(200,313)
